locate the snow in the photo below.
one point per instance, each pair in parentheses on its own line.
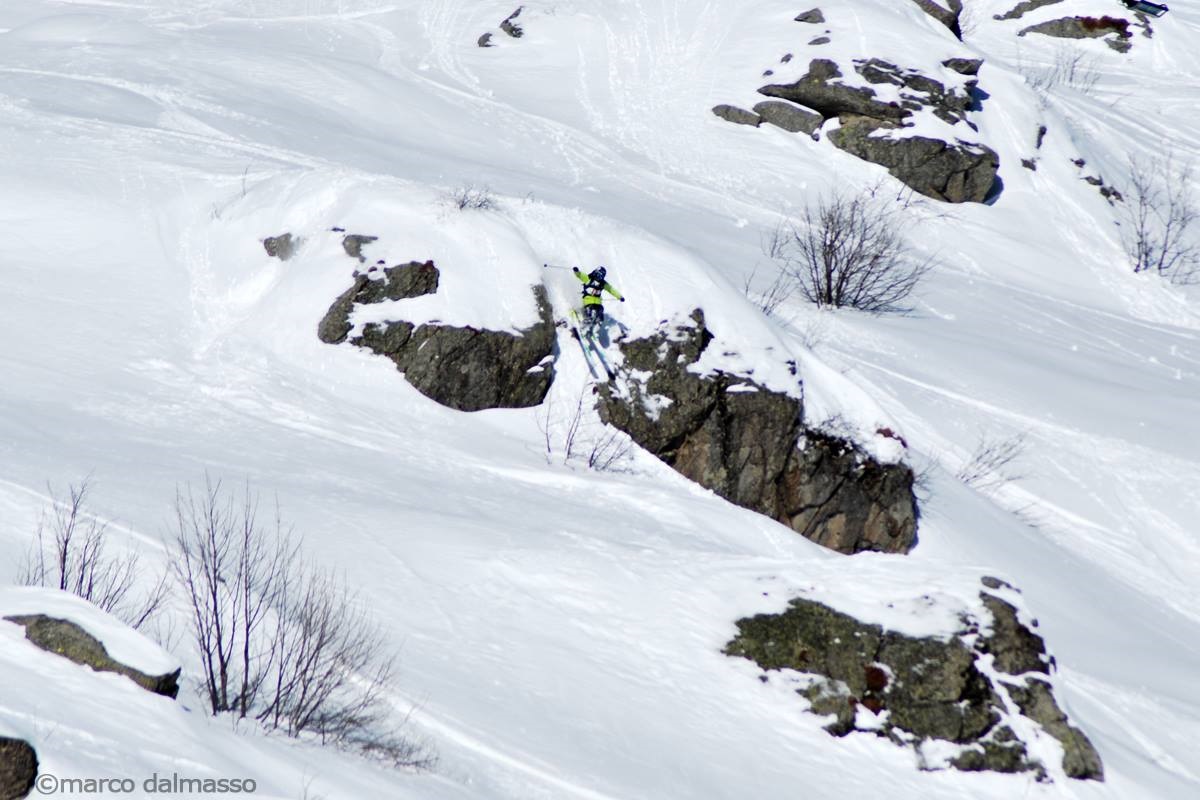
(559,629)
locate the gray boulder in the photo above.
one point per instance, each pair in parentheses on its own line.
(282,247)
(749,445)
(816,91)
(18,768)
(956,172)
(739,116)
(964,66)
(788,116)
(471,369)
(813,17)
(401,282)
(1023,8)
(72,642)
(1087,28)
(464,368)
(353,245)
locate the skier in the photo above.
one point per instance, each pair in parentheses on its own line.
(593,304)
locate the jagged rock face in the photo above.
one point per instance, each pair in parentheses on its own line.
(957,173)
(72,642)
(465,368)
(18,768)
(931,688)
(838,498)
(749,445)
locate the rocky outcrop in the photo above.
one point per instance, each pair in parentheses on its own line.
(749,445)
(930,688)
(957,172)
(465,368)
(1087,28)
(948,15)
(18,768)
(812,16)
(72,642)
(953,171)
(282,247)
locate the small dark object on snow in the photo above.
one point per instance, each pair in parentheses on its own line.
(1146,7)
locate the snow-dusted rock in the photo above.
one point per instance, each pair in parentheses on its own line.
(69,640)
(749,445)
(920,688)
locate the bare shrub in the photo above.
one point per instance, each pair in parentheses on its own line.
(783,286)
(991,464)
(572,438)
(70,552)
(472,198)
(1072,68)
(280,640)
(849,252)
(1158,229)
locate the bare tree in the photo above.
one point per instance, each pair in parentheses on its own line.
(231,571)
(70,552)
(849,252)
(282,641)
(1158,228)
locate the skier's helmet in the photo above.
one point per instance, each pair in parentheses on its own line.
(598,274)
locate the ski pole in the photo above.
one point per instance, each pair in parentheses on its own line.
(554,266)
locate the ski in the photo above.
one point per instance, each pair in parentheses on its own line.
(590,347)
(583,348)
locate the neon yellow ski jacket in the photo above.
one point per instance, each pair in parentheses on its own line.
(590,299)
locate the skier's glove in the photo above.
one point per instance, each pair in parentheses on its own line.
(575,270)
(622,299)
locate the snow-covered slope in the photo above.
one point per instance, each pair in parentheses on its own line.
(560,629)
